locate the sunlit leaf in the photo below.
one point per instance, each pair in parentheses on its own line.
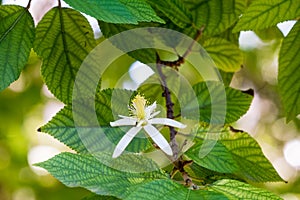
(168,189)
(117,11)
(229,36)
(233,152)
(62,127)
(266,13)
(63,39)
(226,55)
(238,190)
(98,197)
(269,34)
(226,77)
(182,18)
(215,15)
(141,10)
(99,177)
(289,73)
(16,39)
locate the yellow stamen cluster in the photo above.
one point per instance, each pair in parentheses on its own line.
(139,104)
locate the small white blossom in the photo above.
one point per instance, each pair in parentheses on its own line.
(142,117)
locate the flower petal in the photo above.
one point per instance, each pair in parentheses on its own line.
(126,117)
(126,139)
(124,122)
(158,139)
(154,114)
(167,121)
(150,109)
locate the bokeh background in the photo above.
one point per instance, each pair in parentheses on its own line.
(27,104)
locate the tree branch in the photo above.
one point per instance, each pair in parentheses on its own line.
(175,64)
(169,105)
(179,162)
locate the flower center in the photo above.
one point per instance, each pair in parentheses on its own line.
(139,103)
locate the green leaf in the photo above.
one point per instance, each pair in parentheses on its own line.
(215,15)
(182,18)
(226,55)
(88,172)
(81,136)
(206,176)
(98,197)
(214,102)
(167,189)
(238,190)
(63,39)
(62,127)
(144,55)
(16,39)
(177,84)
(269,34)
(117,11)
(266,13)
(289,73)
(226,77)
(232,151)
(142,11)
(219,158)
(229,36)
(152,91)
(152,87)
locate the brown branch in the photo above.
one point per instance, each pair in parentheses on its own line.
(169,105)
(175,64)
(28,5)
(197,38)
(179,167)
(179,163)
(188,181)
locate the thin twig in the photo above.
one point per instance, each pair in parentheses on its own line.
(176,63)
(28,5)
(198,36)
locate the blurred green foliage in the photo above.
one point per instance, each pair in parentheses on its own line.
(19,104)
(260,72)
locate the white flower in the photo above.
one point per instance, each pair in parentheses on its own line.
(142,117)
